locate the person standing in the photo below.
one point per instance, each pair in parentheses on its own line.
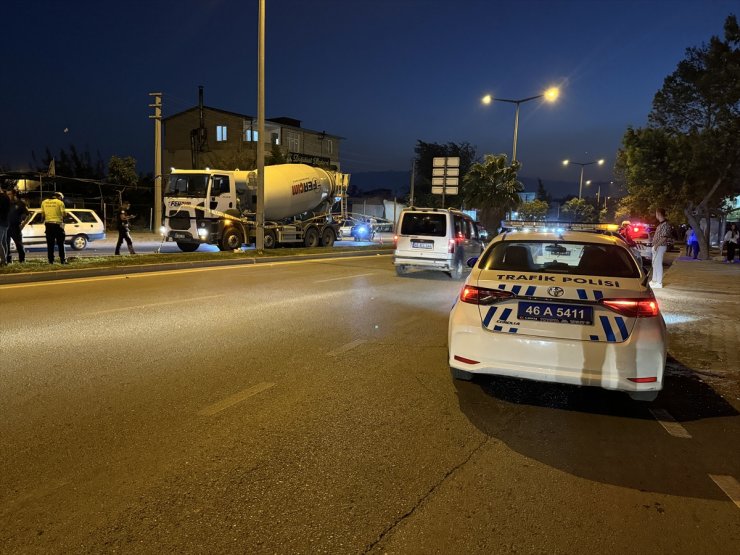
(123,217)
(692,244)
(54,212)
(731,239)
(18,213)
(4,214)
(663,233)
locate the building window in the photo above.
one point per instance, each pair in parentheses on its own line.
(294,143)
(220,133)
(251,136)
(330,146)
(275,138)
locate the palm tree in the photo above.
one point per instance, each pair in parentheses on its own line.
(492,186)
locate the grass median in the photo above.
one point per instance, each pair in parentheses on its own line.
(34,265)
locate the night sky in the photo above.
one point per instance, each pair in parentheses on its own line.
(381,73)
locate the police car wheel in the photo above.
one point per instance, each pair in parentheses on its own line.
(644,396)
(462,375)
(79,242)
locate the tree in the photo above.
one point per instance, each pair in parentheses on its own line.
(276,156)
(533,210)
(122,172)
(579,210)
(688,158)
(542,193)
(425,152)
(493,187)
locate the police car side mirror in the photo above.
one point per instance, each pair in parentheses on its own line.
(471,261)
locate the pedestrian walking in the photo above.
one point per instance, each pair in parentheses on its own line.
(4,214)
(732,238)
(692,244)
(663,233)
(18,214)
(54,212)
(123,217)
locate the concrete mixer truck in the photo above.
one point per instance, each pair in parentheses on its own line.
(218,207)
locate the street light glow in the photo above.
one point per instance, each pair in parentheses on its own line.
(601,162)
(566,162)
(487,99)
(551,94)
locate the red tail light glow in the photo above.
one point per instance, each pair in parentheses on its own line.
(451,246)
(466,360)
(479,295)
(651,379)
(395,240)
(633,308)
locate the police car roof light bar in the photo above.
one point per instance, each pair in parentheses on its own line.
(557,226)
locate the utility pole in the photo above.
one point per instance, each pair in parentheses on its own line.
(157,117)
(413,171)
(260,215)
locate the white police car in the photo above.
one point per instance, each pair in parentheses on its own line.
(560,306)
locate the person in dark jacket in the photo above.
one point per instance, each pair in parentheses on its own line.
(18,213)
(4,213)
(123,217)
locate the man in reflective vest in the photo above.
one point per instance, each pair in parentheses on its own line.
(54,212)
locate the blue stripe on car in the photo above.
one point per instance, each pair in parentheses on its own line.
(582,294)
(489,316)
(497,328)
(502,286)
(622,327)
(530,290)
(607,328)
(516,289)
(505,314)
(513,330)
(598,295)
(594,337)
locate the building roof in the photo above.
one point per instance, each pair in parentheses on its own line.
(283,121)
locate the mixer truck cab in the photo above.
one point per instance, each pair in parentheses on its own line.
(218,207)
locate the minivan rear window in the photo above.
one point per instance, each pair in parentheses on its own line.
(424,223)
(561,257)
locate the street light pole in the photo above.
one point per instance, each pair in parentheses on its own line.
(260,209)
(583,165)
(580,184)
(550,95)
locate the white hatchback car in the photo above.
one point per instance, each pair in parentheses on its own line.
(568,307)
(80,227)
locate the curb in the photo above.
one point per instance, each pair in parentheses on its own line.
(58,275)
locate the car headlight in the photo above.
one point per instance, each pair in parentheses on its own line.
(163,230)
(202,232)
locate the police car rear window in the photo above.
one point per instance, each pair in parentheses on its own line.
(424,223)
(561,257)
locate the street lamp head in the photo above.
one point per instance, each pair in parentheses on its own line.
(566,162)
(487,99)
(588,182)
(601,162)
(551,94)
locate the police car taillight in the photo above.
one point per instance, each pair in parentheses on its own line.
(480,295)
(395,240)
(633,308)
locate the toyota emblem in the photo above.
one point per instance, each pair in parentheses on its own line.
(556,291)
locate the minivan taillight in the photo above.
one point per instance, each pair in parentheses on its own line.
(480,295)
(633,308)
(451,246)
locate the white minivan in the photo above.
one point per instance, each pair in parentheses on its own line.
(80,227)
(435,239)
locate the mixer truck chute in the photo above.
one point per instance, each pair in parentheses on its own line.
(218,207)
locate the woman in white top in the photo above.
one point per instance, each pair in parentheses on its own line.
(732,238)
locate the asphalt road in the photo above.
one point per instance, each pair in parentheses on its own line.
(307,407)
(147,243)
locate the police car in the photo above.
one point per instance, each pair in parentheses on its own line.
(559,306)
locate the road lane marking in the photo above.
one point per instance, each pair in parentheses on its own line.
(232,400)
(729,485)
(149,305)
(669,423)
(157,273)
(344,277)
(349,346)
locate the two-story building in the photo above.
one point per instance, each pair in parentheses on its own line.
(210,137)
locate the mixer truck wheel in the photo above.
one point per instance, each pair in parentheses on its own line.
(232,239)
(311,239)
(270,240)
(187,247)
(327,237)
